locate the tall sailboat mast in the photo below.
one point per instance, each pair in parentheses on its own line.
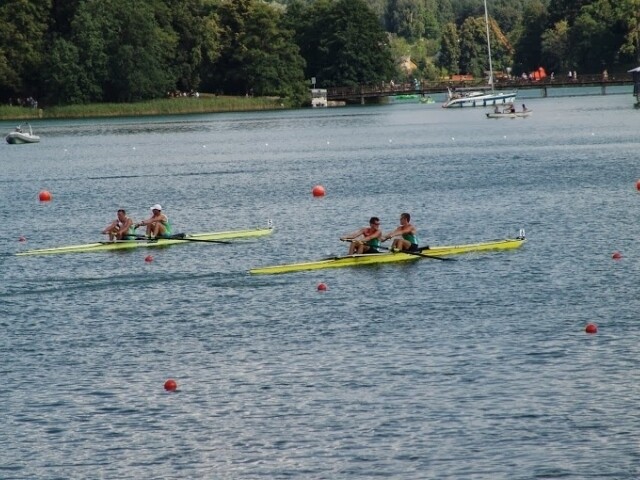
(486,21)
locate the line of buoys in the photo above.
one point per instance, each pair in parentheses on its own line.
(45,196)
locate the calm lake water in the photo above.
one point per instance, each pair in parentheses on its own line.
(475,369)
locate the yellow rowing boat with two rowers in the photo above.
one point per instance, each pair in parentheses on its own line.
(435,252)
(142,242)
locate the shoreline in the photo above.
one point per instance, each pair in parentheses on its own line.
(205,103)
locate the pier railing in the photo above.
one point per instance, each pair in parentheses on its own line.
(359,93)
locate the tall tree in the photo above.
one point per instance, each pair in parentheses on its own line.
(596,36)
(628,12)
(528,55)
(474,53)
(344,43)
(555,47)
(22,45)
(449,56)
(406,18)
(125,54)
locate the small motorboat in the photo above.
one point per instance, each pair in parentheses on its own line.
(22,134)
(510,112)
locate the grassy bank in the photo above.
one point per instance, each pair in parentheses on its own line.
(168,106)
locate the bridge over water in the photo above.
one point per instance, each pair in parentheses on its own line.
(374,93)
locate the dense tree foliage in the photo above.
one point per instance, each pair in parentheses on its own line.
(74,51)
(342,41)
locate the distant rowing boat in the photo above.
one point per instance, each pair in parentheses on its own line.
(144,243)
(375,258)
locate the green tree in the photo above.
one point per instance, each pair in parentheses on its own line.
(66,77)
(127,51)
(596,36)
(273,64)
(22,45)
(258,53)
(343,43)
(528,55)
(474,53)
(555,47)
(406,18)
(449,56)
(628,13)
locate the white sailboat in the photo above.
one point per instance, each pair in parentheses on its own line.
(480,97)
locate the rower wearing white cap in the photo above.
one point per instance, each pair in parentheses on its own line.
(157,224)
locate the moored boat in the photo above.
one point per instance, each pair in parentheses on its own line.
(20,135)
(436,252)
(481,97)
(477,98)
(211,237)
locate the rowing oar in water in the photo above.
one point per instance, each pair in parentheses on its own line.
(177,236)
(418,254)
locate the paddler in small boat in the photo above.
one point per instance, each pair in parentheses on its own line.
(121,227)
(365,240)
(408,234)
(157,224)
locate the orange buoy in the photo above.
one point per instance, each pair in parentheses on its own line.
(318,191)
(616,255)
(591,328)
(44,196)
(322,287)
(170,385)
(148,258)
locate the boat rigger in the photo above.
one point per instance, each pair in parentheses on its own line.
(211,237)
(391,257)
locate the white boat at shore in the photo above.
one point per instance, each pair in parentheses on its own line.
(480,97)
(20,135)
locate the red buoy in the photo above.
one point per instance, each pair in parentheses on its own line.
(638,185)
(591,328)
(44,196)
(322,287)
(170,385)
(148,258)
(616,255)
(22,238)
(318,191)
